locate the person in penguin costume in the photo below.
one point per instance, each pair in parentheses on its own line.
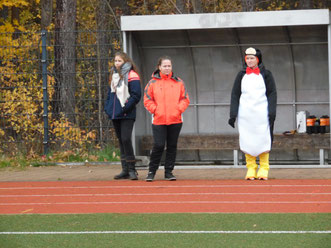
(253,103)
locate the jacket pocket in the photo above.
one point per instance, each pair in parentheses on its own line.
(117,108)
(175,115)
(158,116)
(109,107)
(118,114)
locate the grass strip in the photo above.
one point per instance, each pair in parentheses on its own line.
(166,222)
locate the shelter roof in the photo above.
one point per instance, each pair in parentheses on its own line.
(226,20)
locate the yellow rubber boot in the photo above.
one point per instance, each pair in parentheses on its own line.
(264,167)
(251,167)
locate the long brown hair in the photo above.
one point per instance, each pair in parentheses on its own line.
(126,59)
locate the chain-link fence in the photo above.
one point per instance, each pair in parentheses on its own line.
(52,90)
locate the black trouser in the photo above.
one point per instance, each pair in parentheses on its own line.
(123,129)
(164,134)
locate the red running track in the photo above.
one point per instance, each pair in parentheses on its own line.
(188,196)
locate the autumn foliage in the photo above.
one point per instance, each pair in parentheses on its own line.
(21,93)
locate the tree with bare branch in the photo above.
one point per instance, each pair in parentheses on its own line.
(248,5)
(46,13)
(180,5)
(305,4)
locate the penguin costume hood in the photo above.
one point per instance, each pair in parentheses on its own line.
(256,52)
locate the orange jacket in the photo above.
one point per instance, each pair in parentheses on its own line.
(166,98)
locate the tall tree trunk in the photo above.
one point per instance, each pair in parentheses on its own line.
(3,13)
(180,5)
(15,14)
(46,13)
(248,5)
(119,8)
(305,4)
(197,6)
(64,50)
(102,17)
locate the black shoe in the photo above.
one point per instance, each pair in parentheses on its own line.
(133,175)
(122,175)
(125,171)
(150,176)
(132,170)
(169,176)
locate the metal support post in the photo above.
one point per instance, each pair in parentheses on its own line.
(235,158)
(45,93)
(329,66)
(322,157)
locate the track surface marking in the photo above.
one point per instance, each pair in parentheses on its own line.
(187,196)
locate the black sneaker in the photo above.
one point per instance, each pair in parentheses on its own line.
(169,176)
(150,176)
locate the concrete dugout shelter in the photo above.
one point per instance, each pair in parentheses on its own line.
(207,52)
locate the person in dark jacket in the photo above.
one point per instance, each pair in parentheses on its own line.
(253,102)
(124,93)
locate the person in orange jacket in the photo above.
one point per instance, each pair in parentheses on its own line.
(166,98)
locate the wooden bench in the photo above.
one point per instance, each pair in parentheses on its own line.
(231,142)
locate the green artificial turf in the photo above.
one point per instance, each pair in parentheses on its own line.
(165,222)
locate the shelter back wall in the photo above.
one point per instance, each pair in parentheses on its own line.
(208,61)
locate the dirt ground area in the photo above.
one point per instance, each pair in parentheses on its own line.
(107,172)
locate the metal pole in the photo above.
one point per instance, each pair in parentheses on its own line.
(329,59)
(127,48)
(124,42)
(45,93)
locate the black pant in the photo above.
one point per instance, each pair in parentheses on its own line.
(123,129)
(164,134)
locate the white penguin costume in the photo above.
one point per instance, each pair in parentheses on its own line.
(253,122)
(253,102)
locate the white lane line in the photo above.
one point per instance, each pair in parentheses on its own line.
(165,202)
(165,186)
(167,232)
(159,194)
